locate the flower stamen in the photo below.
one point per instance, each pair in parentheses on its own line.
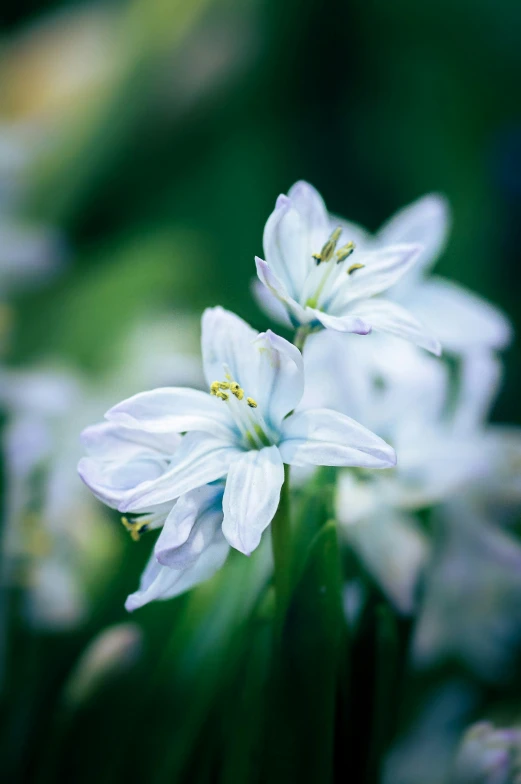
(329,247)
(135,527)
(354,267)
(345,251)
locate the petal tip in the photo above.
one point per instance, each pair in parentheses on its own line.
(282,201)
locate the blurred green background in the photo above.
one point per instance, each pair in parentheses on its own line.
(156,135)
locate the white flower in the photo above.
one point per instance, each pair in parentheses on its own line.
(461,320)
(471,607)
(443,444)
(243,430)
(315,270)
(54,530)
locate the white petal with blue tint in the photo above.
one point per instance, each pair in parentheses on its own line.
(200,459)
(280,384)
(460,319)
(251,497)
(324,437)
(161,582)
(426,222)
(190,527)
(172,409)
(284,245)
(386,316)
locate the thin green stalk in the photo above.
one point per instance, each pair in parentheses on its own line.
(301,336)
(281,546)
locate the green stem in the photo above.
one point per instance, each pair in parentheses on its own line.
(281,546)
(301,336)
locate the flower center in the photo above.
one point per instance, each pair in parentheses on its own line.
(244,411)
(322,285)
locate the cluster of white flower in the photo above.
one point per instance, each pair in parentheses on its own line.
(208,466)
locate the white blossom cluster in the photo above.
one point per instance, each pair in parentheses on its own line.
(207,467)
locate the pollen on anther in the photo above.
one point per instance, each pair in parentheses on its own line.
(354,267)
(251,402)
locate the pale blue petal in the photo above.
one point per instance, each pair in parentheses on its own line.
(315,223)
(227,342)
(386,316)
(285,248)
(281,377)
(344,323)
(116,483)
(460,319)
(297,314)
(173,410)
(425,222)
(381,270)
(111,441)
(324,437)
(161,582)
(199,460)
(190,527)
(269,303)
(251,497)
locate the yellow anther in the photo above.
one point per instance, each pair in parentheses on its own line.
(135,528)
(251,402)
(354,267)
(329,248)
(345,251)
(236,390)
(216,389)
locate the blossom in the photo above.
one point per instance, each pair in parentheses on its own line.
(241,432)
(47,407)
(438,427)
(315,269)
(460,319)
(488,755)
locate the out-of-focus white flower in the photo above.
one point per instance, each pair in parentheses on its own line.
(488,756)
(244,430)
(110,653)
(443,443)
(425,752)
(56,539)
(460,320)
(314,271)
(471,608)
(27,254)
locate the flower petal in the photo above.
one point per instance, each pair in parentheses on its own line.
(226,340)
(461,320)
(161,582)
(480,380)
(111,441)
(251,497)
(199,460)
(269,303)
(173,410)
(190,527)
(394,550)
(114,482)
(281,377)
(381,270)
(297,314)
(346,323)
(315,224)
(285,248)
(323,437)
(386,316)
(426,222)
